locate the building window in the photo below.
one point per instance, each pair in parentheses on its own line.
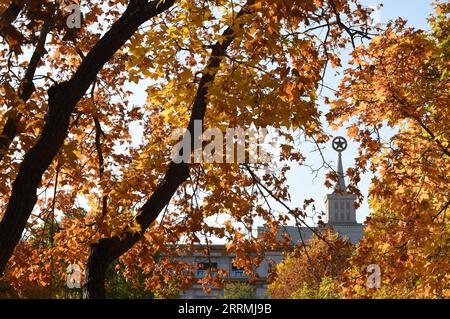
(237,272)
(336,216)
(203,267)
(348,206)
(336,206)
(342,216)
(342,205)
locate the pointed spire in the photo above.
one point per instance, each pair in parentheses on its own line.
(339,145)
(340,186)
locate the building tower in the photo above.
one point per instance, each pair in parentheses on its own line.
(340,211)
(340,205)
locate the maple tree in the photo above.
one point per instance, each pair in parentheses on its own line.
(401,81)
(238,290)
(314,271)
(75,185)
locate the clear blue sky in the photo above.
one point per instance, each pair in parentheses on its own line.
(302,184)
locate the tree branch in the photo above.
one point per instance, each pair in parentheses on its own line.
(10,129)
(62,100)
(106,250)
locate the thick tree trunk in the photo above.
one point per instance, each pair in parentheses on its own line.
(62,99)
(34,164)
(97,265)
(106,250)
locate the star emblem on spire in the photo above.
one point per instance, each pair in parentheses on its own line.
(339,144)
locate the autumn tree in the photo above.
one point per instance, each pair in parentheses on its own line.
(238,290)
(72,171)
(313,271)
(401,82)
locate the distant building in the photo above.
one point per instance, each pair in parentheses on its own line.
(340,213)
(219,259)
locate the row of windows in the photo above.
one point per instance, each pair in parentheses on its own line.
(203,267)
(347,205)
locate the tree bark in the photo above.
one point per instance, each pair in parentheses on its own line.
(106,250)
(62,99)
